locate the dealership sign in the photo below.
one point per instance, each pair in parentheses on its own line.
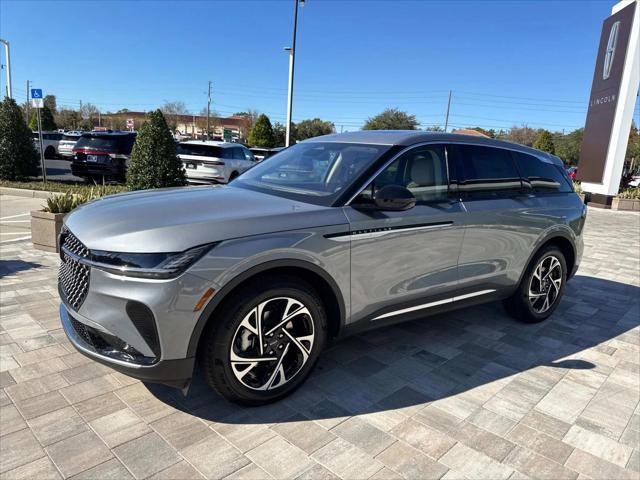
(613,95)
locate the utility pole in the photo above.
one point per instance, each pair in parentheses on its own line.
(28,103)
(208,108)
(446,120)
(8,54)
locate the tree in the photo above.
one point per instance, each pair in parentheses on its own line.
(89,114)
(313,128)
(523,135)
(154,163)
(434,128)
(68,119)
(50,102)
(279,134)
(172,112)
(262,133)
(18,156)
(392,119)
(568,146)
(544,142)
(46,120)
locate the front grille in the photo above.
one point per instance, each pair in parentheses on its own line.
(73,276)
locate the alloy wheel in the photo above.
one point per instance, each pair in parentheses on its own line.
(272,343)
(544,287)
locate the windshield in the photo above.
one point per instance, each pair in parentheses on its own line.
(313,171)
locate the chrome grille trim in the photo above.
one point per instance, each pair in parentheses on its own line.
(73,276)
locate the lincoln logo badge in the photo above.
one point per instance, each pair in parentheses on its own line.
(611,50)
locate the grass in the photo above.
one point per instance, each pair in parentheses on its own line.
(64,187)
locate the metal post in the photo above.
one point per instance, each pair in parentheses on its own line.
(208,108)
(8,54)
(28,103)
(446,120)
(292,61)
(44,167)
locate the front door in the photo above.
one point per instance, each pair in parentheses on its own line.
(402,259)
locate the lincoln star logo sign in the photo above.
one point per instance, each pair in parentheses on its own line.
(611,50)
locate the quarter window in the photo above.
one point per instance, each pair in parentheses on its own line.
(541,176)
(485,170)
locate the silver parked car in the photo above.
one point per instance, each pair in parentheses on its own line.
(67,144)
(214,162)
(334,235)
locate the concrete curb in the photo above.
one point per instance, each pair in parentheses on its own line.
(23,192)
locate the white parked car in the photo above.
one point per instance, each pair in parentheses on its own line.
(65,147)
(50,143)
(214,162)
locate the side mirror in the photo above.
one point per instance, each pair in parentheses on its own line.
(394,197)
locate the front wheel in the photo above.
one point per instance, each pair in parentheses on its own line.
(541,288)
(265,341)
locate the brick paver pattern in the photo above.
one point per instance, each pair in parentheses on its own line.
(469,394)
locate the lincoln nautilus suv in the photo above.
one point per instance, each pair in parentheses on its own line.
(332,236)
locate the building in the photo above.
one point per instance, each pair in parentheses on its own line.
(193,126)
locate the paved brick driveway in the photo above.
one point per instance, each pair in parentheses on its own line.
(466,395)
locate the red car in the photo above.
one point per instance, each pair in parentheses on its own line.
(572,172)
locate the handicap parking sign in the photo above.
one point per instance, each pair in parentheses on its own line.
(36,93)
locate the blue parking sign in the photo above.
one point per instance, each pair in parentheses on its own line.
(36,93)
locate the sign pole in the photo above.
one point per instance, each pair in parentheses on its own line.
(44,167)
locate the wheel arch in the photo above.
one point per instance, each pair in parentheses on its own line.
(566,245)
(318,278)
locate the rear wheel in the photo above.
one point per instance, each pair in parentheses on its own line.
(265,341)
(49,152)
(233,176)
(541,287)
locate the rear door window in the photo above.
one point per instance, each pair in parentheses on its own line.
(238,154)
(542,176)
(485,171)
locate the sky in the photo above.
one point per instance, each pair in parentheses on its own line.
(507,62)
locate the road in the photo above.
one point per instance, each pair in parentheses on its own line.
(15,219)
(60,170)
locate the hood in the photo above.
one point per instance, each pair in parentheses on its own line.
(173,220)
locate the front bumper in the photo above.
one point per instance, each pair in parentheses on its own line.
(175,373)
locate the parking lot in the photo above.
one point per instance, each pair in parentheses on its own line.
(469,394)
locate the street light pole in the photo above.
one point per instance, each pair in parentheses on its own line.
(8,54)
(292,61)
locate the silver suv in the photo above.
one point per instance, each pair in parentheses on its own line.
(332,236)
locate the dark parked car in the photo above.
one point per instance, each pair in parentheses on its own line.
(102,155)
(333,235)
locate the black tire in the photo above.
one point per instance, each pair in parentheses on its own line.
(233,176)
(221,336)
(519,305)
(49,152)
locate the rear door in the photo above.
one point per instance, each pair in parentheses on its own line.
(405,259)
(499,210)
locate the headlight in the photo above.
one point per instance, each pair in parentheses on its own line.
(147,265)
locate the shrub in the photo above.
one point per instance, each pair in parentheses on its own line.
(154,163)
(577,186)
(630,193)
(18,156)
(262,133)
(63,203)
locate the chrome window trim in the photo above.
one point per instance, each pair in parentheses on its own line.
(444,143)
